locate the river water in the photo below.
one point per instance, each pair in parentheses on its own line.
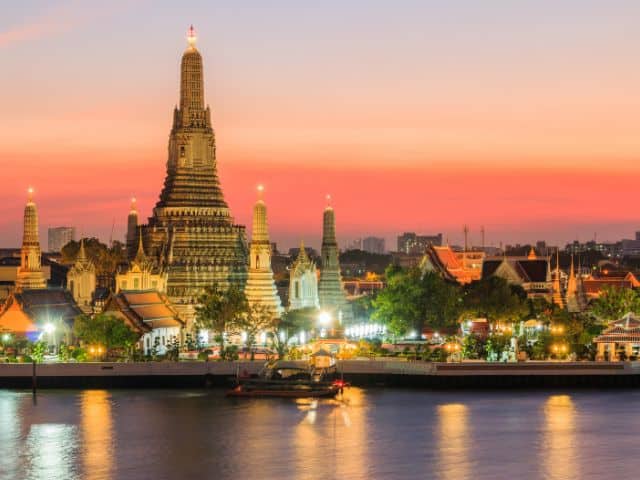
(376,434)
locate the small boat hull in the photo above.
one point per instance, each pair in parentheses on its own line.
(324,393)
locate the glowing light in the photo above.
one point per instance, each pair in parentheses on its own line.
(49,328)
(6,337)
(324,318)
(191,37)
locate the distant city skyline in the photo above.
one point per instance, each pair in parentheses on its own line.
(423,117)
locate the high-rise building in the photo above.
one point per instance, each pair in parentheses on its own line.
(261,288)
(373,245)
(30,274)
(413,244)
(58,237)
(330,291)
(191,231)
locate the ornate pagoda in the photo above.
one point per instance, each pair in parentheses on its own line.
(330,291)
(261,288)
(30,274)
(191,232)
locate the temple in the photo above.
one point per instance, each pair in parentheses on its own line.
(142,273)
(260,287)
(132,230)
(30,274)
(330,292)
(303,282)
(191,232)
(81,280)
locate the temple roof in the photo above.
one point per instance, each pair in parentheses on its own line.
(40,306)
(528,270)
(145,310)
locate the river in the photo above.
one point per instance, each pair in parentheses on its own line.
(368,434)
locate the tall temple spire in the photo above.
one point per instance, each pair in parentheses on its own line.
(30,274)
(331,294)
(558,299)
(81,280)
(191,234)
(575,299)
(261,288)
(132,229)
(82,255)
(303,282)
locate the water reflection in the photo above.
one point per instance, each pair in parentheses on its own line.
(453,441)
(9,432)
(558,453)
(97,434)
(51,451)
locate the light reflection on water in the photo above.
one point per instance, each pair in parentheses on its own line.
(391,434)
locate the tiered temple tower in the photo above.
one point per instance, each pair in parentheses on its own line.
(192,232)
(558,298)
(261,288)
(303,282)
(30,274)
(330,292)
(132,230)
(81,280)
(576,298)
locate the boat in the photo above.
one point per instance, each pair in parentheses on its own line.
(289,380)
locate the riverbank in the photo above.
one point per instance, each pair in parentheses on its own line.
(379,373)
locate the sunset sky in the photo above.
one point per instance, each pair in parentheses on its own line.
(522,116)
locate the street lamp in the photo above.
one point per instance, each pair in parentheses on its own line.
(324,319)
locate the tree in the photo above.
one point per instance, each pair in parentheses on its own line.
(493,298)
(221,310)
(105,330)
(615,302)
(291,324)
(258,318)
(412,298)
(105,258)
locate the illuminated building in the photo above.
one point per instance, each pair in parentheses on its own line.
(532,274)
(143,273)
(261,288)
(30,274)
(621,338)
(330,291)
(81,280)
(303,282)
(576,299)
(462,267)
(151,315)
(191,233)
(413,244)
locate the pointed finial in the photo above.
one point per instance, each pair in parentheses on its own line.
(140,253)
(260,189)
(81,253)
(134,206)
(191,37)
(30,194)
(328,198)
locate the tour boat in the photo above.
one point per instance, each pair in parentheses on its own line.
(288,380)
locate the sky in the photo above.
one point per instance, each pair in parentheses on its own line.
(519,116)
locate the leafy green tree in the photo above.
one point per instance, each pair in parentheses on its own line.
(473,347)
(107,331)
(412,299)
(291,324)
(105,258)
(496,300)
(221,310)
(258,318)
(38,350)
(616,302)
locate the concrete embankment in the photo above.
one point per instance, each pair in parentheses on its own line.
(383,373)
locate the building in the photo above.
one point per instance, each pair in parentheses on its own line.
(58,237)
(191,233)
(373,245)
(575,297)
(151,315)
(132,230)
(142,273)
(261,288)
(81,280)
(46,314)
(462,267)
(533,274)
(303,282)
(30,274)
(621,339)
(410,243)
(330,290)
